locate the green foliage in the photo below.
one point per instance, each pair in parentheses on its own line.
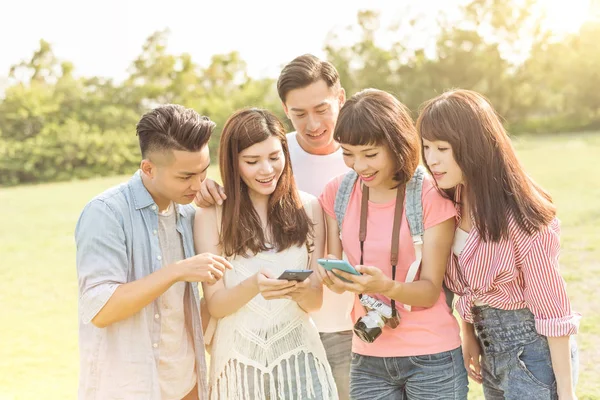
(63,152)
(56,126)
(537,83)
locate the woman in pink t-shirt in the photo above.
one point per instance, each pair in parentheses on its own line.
(518,318)
(421,357)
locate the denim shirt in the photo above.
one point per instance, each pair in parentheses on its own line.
(117,243)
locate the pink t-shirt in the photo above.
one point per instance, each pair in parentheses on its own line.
(423,330)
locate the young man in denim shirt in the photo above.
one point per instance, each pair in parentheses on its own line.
(140,334)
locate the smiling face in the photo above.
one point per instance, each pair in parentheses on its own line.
(261,166)
(373,163)
(313,111)
(440,160)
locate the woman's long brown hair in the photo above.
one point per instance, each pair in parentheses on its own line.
(496,183)
(241,231)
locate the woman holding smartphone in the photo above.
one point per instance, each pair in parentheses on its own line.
(417,356)
(265,346)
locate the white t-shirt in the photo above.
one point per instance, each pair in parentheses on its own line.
(312,173)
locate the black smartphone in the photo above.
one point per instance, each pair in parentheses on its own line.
(296,274)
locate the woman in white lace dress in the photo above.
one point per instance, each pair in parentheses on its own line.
(265,346)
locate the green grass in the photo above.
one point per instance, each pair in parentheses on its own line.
(38,287)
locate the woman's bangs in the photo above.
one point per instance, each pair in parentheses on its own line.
(356,130)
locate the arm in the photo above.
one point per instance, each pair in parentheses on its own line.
(546,296)
(335,251)
(425,292)
(560,353)
(471,352)
(222,301)
(130,298)
(105,295)
(309,294)
(422,293)
(334,244)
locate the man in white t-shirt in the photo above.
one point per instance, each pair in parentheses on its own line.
(312,97)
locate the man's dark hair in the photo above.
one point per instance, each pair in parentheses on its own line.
(173,127)
(303,71)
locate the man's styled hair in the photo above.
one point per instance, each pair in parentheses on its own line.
(306,70)
(173,127)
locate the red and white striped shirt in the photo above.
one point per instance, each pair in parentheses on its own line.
(519,272)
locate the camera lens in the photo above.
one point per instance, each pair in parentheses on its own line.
(365,333)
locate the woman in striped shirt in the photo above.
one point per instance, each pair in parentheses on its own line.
(504,265)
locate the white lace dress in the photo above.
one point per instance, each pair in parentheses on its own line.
(268,349)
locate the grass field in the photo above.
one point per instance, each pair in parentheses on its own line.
(38,287)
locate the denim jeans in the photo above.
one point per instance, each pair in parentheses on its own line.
(516,360)
(434,376)
(338,347)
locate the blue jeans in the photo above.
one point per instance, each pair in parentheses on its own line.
(434,376)
(338,347)
(516,360)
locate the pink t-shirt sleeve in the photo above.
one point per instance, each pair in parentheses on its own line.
(327,197)
(436,208)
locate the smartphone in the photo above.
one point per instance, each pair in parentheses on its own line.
(342,265)
(296,274)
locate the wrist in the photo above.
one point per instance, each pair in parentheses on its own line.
(468,329)
(565,393)
(174,273)
(252,283)
(569,395)
(390,287)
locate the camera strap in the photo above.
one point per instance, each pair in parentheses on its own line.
(362,233)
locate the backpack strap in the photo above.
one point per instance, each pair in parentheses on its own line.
(414,214)
(342,197)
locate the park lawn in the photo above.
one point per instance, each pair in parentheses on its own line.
(38,285)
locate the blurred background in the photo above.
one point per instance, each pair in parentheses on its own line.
(75,77)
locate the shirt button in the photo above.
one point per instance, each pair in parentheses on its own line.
(154,232)
(156,316)
(158,258)
(154,207)
(155,345)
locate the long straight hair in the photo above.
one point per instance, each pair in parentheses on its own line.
(241,230)
(496,183)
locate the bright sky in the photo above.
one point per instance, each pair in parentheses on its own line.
(103,38)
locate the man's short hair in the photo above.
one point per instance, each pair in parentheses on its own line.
(173,127)
(303,71)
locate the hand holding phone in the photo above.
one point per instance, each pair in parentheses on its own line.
(342,265)
(297,275)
